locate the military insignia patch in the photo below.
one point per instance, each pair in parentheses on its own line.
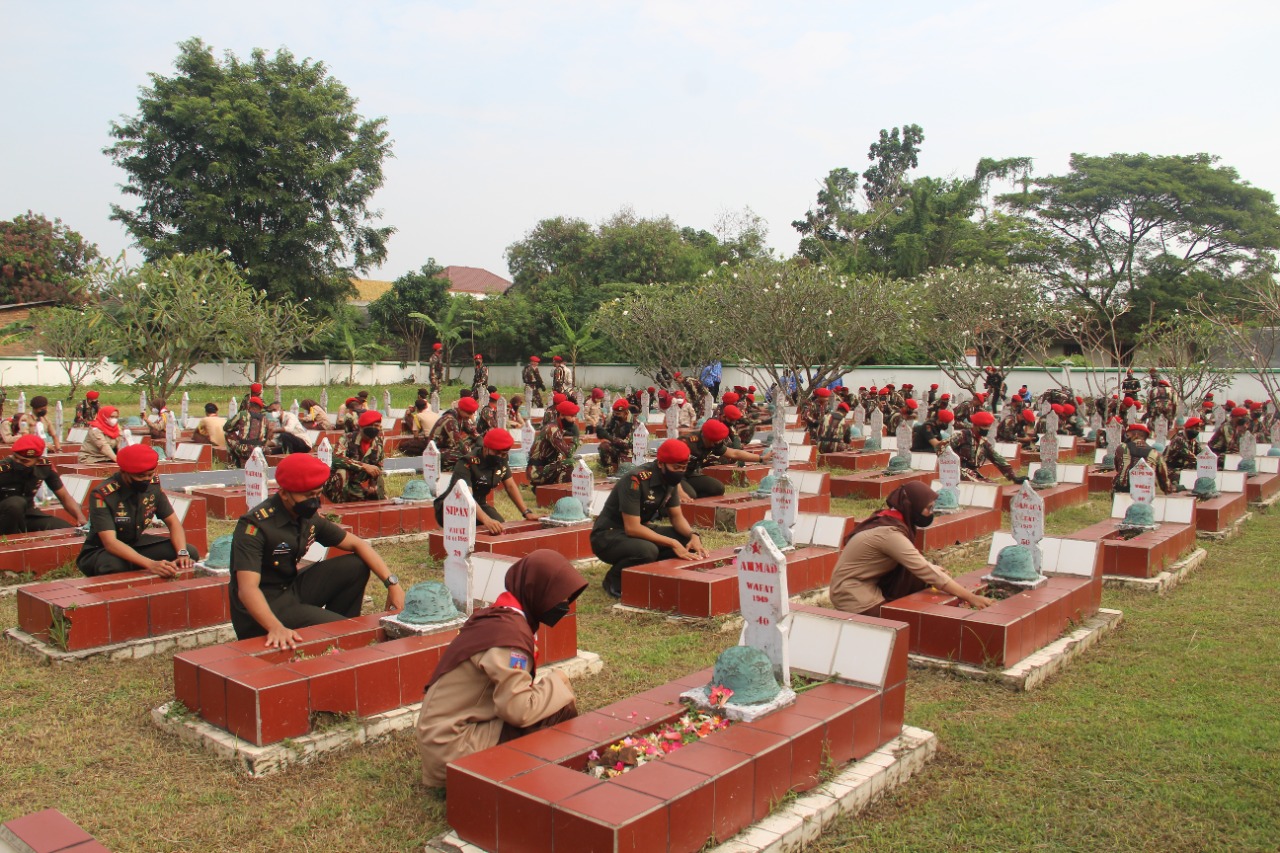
(519,660)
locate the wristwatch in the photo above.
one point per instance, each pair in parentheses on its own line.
(184,553)
(391,581)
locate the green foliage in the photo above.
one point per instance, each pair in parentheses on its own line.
(269,331)
(72,338)
(41,260)
(354,338)
(1129,235)
(451,323)
(164,317)
(267,159)
(425,291)
(1182,347)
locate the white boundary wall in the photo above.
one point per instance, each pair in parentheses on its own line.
(44,370)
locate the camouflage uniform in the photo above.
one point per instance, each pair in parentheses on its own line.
(1131,386)
(812,414)
(615,442)
(560,379)
(835,433)
(480,381)
(551,457)
(1127,455)
(1014,428)
(486,419)
(531,376)
(976,451)
(244,432)
(347,480)
(1180,453)
(1225,439)
(452,433)
(435,371)
(86,412)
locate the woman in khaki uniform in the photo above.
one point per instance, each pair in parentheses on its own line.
(485,690)
(103,438)
(880,561)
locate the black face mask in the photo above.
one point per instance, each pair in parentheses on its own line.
(672,478)
(1192,435)
(307,508)
(42,413)
(140,486)
(369,432)
(555,614)
(568,424)
(919,520)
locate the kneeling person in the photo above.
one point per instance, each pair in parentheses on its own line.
(20,478)
(485,690)
(706,448)
(624,533)
(269,596)
(121,509)
(482,470)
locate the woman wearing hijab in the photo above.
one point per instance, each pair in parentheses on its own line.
(103,438)
(485,690)
(880,561)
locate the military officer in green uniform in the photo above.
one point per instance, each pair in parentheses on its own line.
(269,596)
(121,509)
(624,534)
(706,447)
(483,470)
(20,477)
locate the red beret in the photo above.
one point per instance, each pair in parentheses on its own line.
(1139,426)
(715,431)
(621,403)
(558,358)
(980,397)
(1068,409)
(567,409)
(557,399)
(498,439)
(494,396)
(467,405)
(30,446)
(934,386)
(673,451)
(301,472)
(907,386)
(912,405)
(751,398)
(137,459)
(651,390)
(843,407)
(945,397)
(1207,405)
(751,389)
(1164,382)
(597,393)
(732,413)
(1256,407)
(437,346)
(1079,400)
(730,398)
(1239,412)
(823,392)
(1192,423)
(1057,409)
(92,395)
(351,401)
(255,388)
(1028,416)
(534,359)
(946,416)
(1230,404)
(982,419)
(257,401)
(371,417)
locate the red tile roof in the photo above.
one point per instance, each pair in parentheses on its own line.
(475,280)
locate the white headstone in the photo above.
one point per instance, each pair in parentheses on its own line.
(877,423)
(1142,483)
(1049,453)
(1207,464)
(903,439)
(640,442)
(1275,433)
(1220,416)
(233,408)
(185,409)
(459,541)
(528,395)
(324,451)
(949,468)
(993,431)
(142,401)
(672,420)
(582,485)
(1248,447)
(255,478)
(1026,514)
(708,406)
(1131,415)
(503,412)
(779,420)
(127,438)
(1051,423)
(1095,422)
(44,495)
(431,466)
(386,402)
(644,403)
(527,435)
(22,402)
(324,399)
(859,415)
(41,431)
(435,402)
(762,596)
(57,417)
(1160,433)
(279,397)
(784,503)
(170,435)
(780,456)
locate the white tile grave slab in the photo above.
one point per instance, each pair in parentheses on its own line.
(830,646)
(1231,482)
(1167,508)
(1069,474)
(1059,556)
(976,495)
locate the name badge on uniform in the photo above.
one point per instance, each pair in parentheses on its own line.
(519,660)
(282,548)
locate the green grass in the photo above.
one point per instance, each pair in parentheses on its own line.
(1165,737)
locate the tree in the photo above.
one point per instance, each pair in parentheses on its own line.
(74,340)
(423,292)
(1124,234)
(449,325)
(41,260)
(266,159)
(1181,348)
(1246,330)
(161,319)
(269,331)
(995,315)
(665,328)
(578,341)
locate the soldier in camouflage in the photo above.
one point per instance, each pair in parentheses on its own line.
(1180,454)
(975,450)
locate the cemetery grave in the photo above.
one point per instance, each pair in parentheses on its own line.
(1069,489)
(1221,504)
(966,514)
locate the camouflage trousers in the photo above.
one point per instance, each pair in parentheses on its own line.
(612,455)
(560,471)
(240,451)
(345,486)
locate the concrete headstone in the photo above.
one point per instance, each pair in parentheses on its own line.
(1049,453)
(1160,431)
(142,402)
(170,435)
(784,502)
(859,416)
(295,408)
(903,439)
(708,406)
(644,403)
(1026,514)
(57,417)
(672,420)
(949,468)
(255,478)
(779,456)
(186,406)
(640,443)
(324,451)
(762,594)
(527,435)
(1206,464)
(459,541)
(877,423)
(431,466)
(1248,447)
(22,402)
(1142,483)
(233,408)
(386,402)
(324,399)
(502,412)
(582,485)
(435,402)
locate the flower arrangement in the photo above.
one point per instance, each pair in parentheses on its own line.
(634,751)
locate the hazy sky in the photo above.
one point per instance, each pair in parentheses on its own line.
(503,114)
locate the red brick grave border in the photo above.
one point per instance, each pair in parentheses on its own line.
(1154,560)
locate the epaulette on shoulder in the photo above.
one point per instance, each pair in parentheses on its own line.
(264,512)
(642,475)
(108,487)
